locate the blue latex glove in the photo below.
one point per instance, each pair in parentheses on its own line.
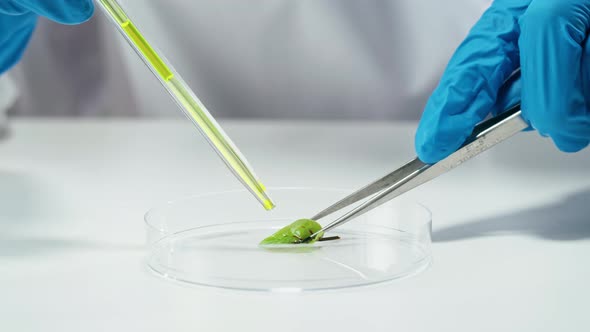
(548,40)
(18,19)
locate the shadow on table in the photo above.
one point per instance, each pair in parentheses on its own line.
(23,198)
(24,246)
(565,220)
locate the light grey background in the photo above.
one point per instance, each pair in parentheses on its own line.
(318,59)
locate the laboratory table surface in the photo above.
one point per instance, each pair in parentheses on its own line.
(511,229)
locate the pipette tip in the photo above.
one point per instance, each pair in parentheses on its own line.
(268,204)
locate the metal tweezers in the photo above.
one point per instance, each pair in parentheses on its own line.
(485,135)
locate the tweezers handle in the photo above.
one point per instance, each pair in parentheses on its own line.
(484,136)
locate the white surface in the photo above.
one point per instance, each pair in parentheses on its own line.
(511,231)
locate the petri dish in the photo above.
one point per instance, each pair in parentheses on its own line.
(212,240)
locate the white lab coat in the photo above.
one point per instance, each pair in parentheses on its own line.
(331,59)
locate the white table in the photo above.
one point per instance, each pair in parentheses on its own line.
(511,229)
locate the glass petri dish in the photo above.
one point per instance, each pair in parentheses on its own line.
(212,240)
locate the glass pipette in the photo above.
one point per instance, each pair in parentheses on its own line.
(187,101)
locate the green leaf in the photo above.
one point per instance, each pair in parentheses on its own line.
(295,233)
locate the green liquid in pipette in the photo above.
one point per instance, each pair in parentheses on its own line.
(190,104)
(213,134)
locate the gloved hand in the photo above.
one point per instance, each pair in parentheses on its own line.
(18,19)
(548,40)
